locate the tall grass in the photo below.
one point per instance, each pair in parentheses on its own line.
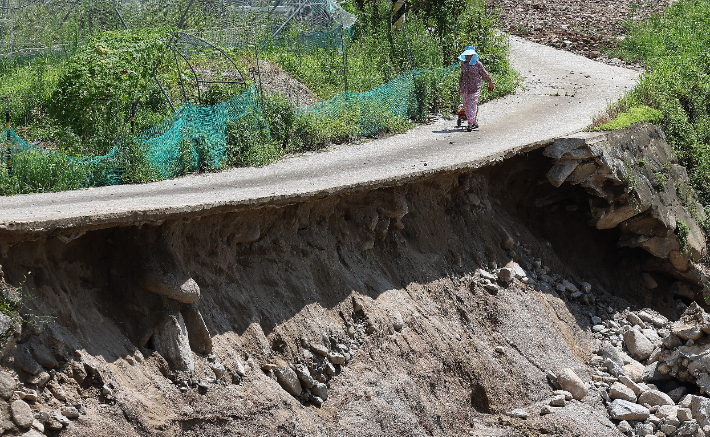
(675,48)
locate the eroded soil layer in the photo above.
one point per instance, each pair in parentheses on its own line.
(390,284)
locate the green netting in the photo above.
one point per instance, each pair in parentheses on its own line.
(194,136)
(190,137)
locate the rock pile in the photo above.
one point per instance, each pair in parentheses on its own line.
(17,414)
(308,378)
(653,373)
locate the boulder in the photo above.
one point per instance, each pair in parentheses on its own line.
(70,412)
(175,285)
(634,371)
(6,423)
(199,336)
(620,409)
(612,353)
(320,390)
(7,385)
(336,358)
(304,375)
(357,304)
(655,397)
(21,413)
(288,380)
(171,340)
(568,380)
(687,331)
(630,384)
(637,343)
(218,369)
(558,401)
(25,361)
(684,414)
(700,408)
(319,349)
(505,274)
(651,373)
(620,391)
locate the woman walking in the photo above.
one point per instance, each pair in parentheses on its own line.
(472,73)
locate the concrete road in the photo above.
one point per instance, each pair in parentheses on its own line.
(559,96)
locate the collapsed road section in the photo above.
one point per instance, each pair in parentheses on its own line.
(452,303)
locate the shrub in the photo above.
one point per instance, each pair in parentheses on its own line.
(36,171)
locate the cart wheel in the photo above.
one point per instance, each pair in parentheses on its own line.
(458,122)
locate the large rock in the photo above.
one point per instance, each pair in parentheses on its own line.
(612,353)
(25,361)
(6,423)
(320,390)
(637,343)
(288,380)
(687,331)
(625,410)
(171,341)
(21,413)
(652,374)
(620,391)
(655,397)
(176,286)
(700,408)
(7,385)
(634,371)
(304,375)
(199,336)
(568,380)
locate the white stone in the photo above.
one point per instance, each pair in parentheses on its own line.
(336,358)
(21,413)
(624,379)
(620,409)
(288,380)
(320,390)
(568,396)
(568,380)
(519,413)
(558,401)
(70,412)
(506,274)
(620,391)
(634,371)
(637,343)
(655,397)
(624,427)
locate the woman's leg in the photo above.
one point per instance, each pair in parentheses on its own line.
(468,107)
(474,107)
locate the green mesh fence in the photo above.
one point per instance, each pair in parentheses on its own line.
(194,135)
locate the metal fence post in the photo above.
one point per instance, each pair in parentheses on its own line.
(9,144)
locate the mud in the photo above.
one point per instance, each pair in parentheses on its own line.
(271,276)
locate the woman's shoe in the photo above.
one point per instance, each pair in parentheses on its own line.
(469,128)
(475,126)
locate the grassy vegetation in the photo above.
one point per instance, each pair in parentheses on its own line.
(674,47)
(636,114)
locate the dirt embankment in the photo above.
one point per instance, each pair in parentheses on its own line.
(382,312)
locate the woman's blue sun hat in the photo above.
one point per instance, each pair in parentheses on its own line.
(470,50)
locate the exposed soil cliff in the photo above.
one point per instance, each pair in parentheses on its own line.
(381,312)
